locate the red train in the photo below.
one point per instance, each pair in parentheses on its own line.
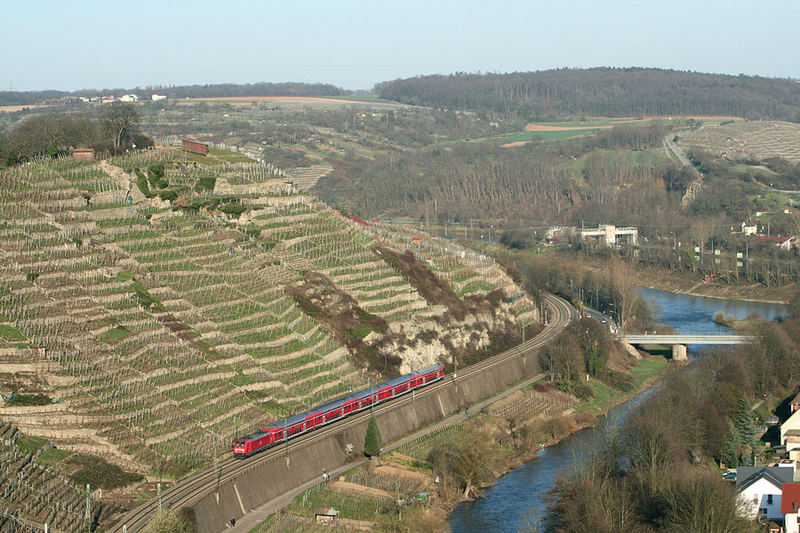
(330,412)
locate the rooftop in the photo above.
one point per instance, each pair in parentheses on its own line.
(747,475)
(790,498)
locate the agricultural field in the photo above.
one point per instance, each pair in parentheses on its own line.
(565,130)
(296,133)
(152,308)
(747,140)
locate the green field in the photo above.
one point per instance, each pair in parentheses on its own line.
(604,397)
(527,136)
(587,127)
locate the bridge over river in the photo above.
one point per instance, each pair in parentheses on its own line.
(679,342)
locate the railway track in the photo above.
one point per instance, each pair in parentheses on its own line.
(185,491)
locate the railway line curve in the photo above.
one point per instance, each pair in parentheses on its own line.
(190,491)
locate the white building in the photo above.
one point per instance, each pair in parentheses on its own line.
(790,435)
(157,97)
(129,98)
(760,490)
(609,233)
(750,227)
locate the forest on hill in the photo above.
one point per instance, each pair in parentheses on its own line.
(616,174)
(612,92)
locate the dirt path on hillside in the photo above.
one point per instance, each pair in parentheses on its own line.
(400,472)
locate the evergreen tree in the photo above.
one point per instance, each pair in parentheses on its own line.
(728,454)
(744,423)
(372,442)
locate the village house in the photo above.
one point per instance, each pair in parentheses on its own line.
(760,490)
(790,506)
(790,435)
(750,226)
(794,405)
(788,243)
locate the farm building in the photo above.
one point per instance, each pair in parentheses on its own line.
(195,147)
(326,516)
(83,154)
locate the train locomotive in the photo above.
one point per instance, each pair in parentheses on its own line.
(330,412)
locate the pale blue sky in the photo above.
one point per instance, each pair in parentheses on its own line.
(354,44)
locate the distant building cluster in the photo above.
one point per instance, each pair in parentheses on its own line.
(608,234)
(759,231)
(107,99)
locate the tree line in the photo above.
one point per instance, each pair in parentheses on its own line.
(113,130)
(183,91)
(613,92)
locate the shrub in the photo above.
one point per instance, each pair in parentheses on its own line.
(141,182)
(232,209)
(156,172)
(168,195)
(582,391)
(372,441)
(31,399)
(98,473)
(617,380)
(206,183)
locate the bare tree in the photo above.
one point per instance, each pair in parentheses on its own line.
(121,119)
(622,276)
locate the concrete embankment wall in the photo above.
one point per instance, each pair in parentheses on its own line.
(271,479)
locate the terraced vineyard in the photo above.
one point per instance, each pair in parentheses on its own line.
(143,303)
(756,140)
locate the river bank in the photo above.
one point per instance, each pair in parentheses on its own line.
(517,497)
(589,416)
(556,428)
(682,283)
(517,437)
(654,277)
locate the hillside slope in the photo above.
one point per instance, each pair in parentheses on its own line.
(157,329)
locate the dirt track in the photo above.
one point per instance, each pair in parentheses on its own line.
(14,108)
(360,490)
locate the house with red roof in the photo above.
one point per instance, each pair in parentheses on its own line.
(790,507)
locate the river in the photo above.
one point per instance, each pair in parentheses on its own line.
(517,498)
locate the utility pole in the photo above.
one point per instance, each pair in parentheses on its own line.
(159,497)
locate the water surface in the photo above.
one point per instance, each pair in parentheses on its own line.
(517,497)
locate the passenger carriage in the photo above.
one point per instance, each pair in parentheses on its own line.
(330,412)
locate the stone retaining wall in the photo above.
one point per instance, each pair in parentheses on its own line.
(281,474)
